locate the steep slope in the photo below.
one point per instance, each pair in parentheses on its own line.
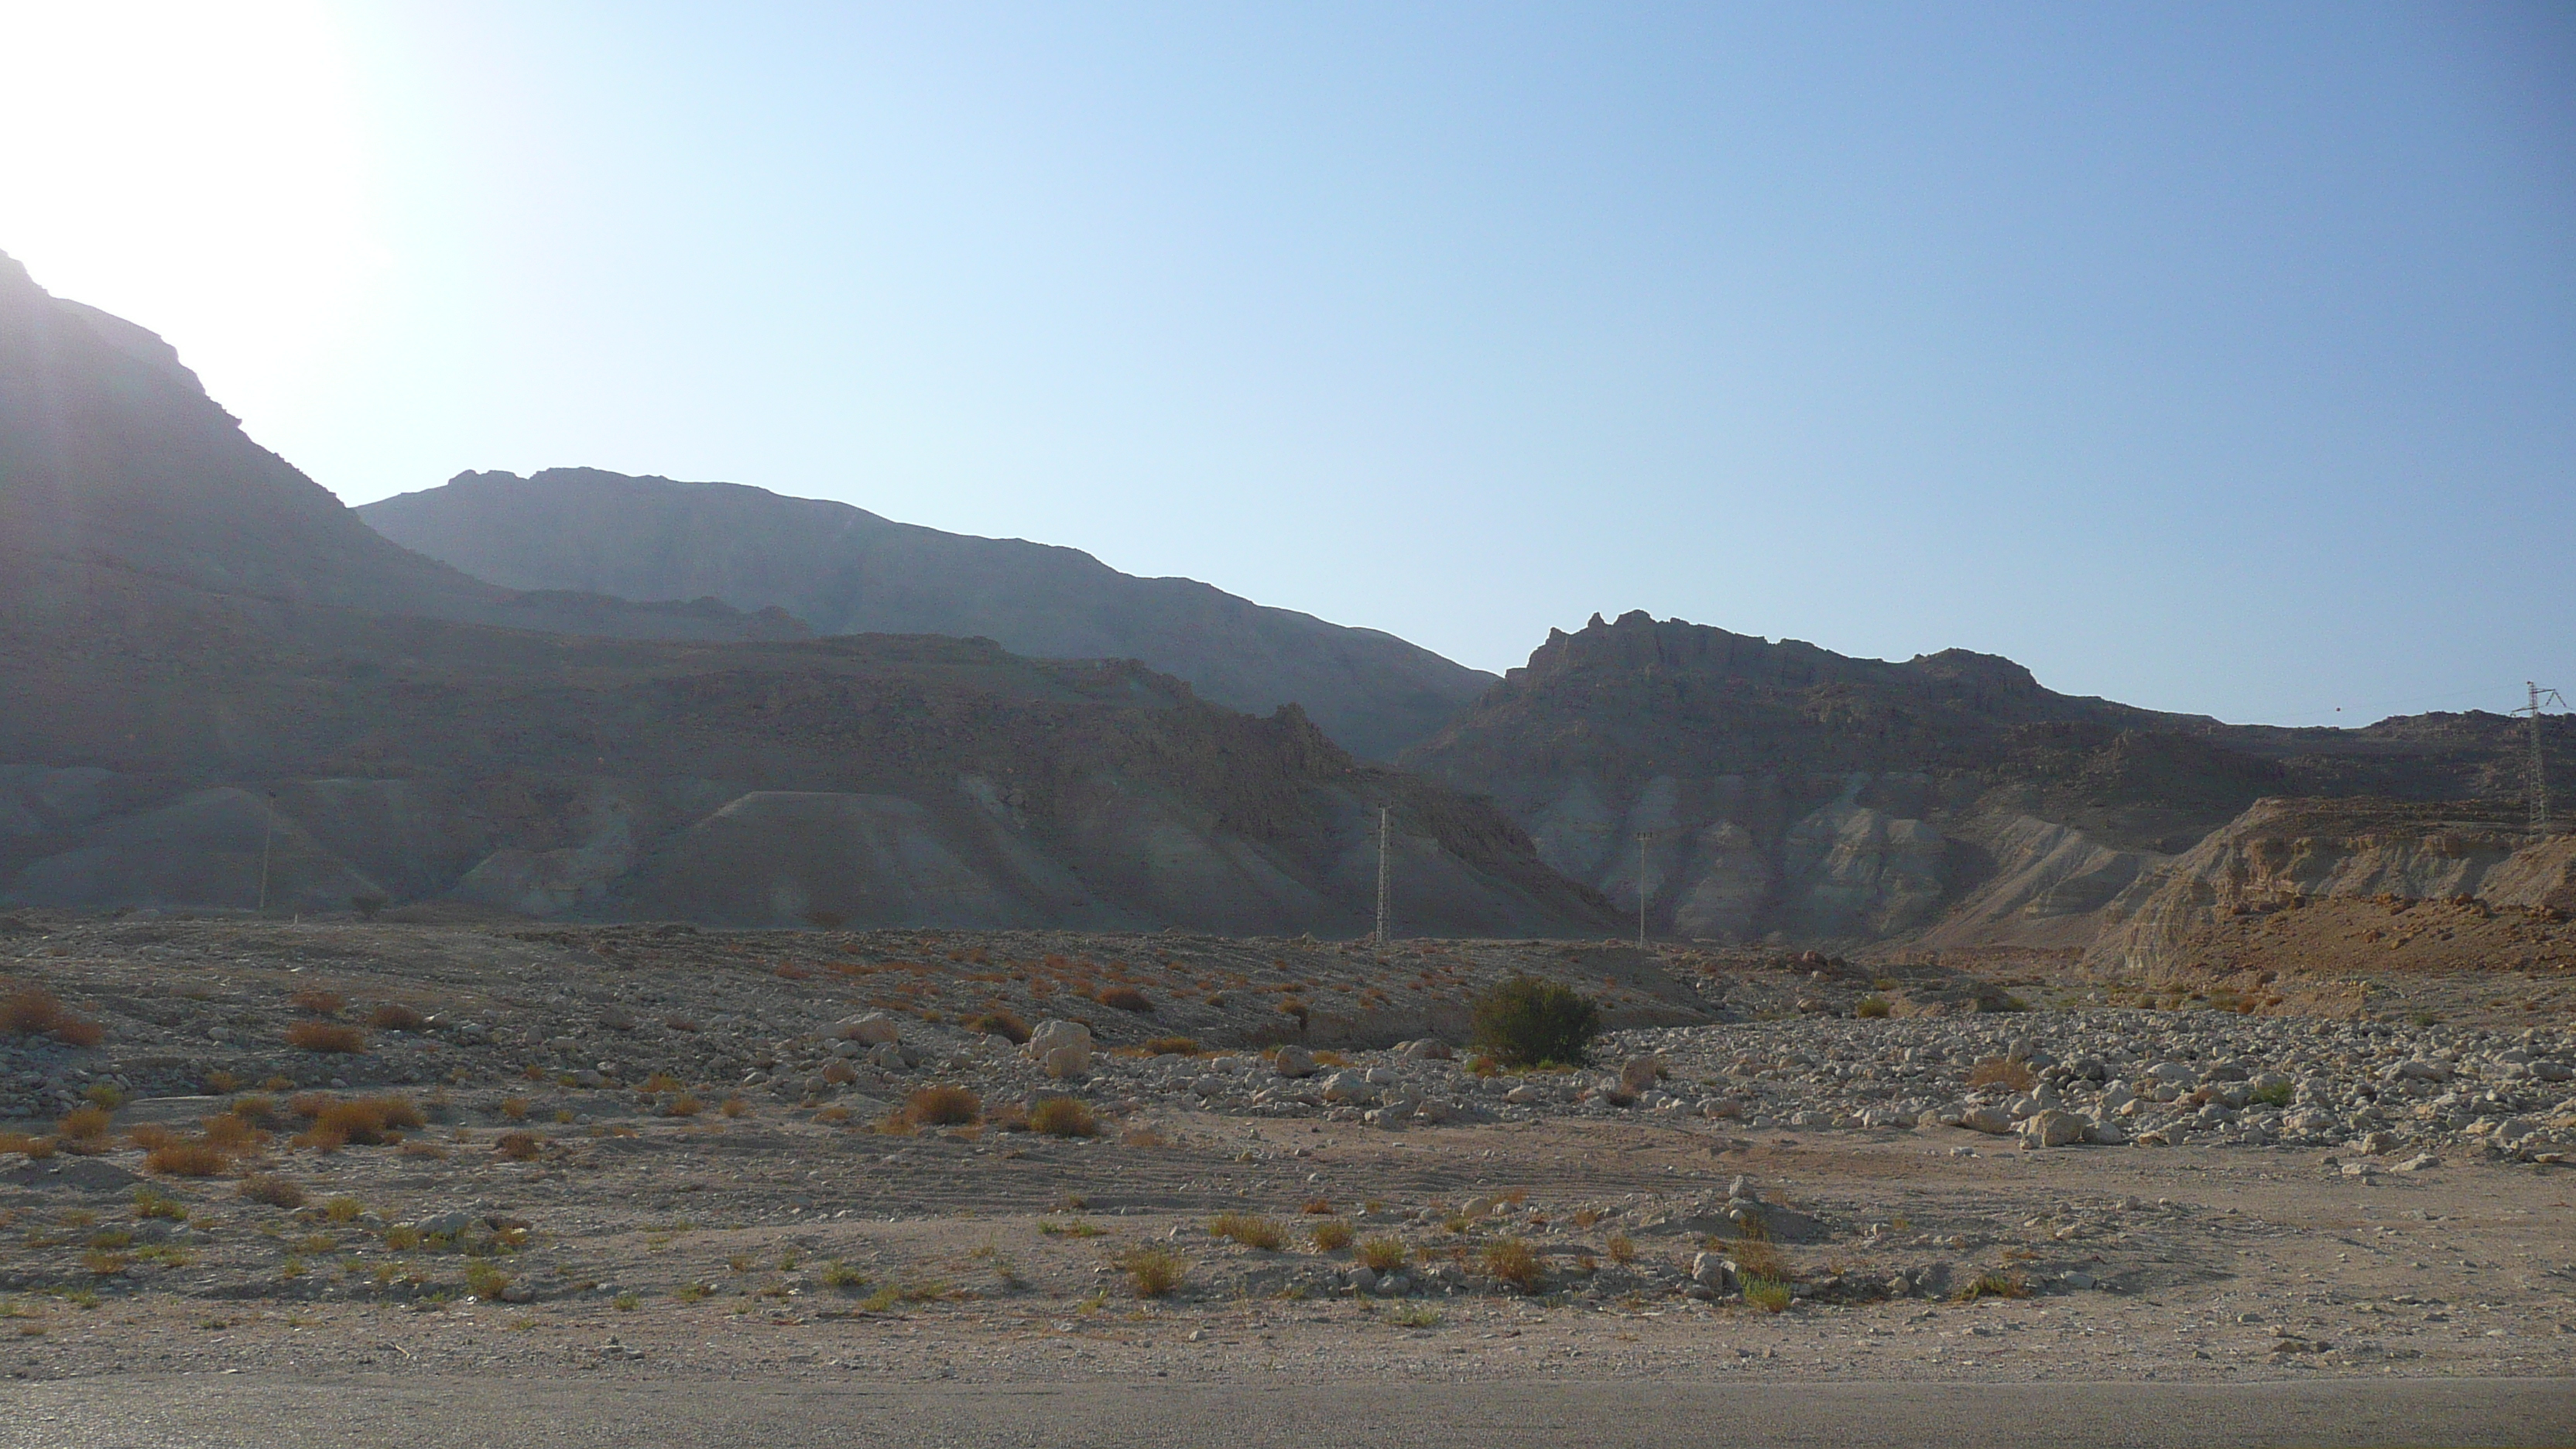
(847,571)
(217,689)
(114,464)
(1789,793)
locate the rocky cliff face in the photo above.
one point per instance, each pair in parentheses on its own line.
(1789,794)
(216,685)
(847,571)
(2276,884)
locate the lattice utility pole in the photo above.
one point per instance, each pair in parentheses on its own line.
(1641,890)
(2539,773)
(1382,938)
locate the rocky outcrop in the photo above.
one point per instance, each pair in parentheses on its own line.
(2288,855)
(844,570)
(1788,794)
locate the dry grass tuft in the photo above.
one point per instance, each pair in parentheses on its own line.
(1153,1271)
(1249,1229)
(319,1002)
(152,1137)
(1002,1023)
(271,1189)
(255,1109)
(188,1159)
(232,1133)
(1317,1207)
(83,1125)
(394,1016)
(221,1083)
(1384,1253)
(2002,1072)
(1993,1285)
(1331,1235)
(684,1105)
(943,1106)
(359,1122)
(37,1013)
(1761,1259)
(1172,1046)
(1870,1007)
(1621,1248)
(515,1108)
(1064,1117)
(36,1148)
(1768,1294)
(1509,1260)
(328,1037)
(517,1146)
(734,1106)
(1125,998)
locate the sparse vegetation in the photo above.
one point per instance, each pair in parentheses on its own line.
(1870,1007)
(356,1122)
(1527,1022)
(1064,1117)
(2005,1072)
(1331,1235)
(394,1016)
(1993,1285)
(32,1012)
(1172,1046)
(2276,1094)
(516,1146)
(187,1159)
(1125,998)
(1251,1230)
(326,1037)
(1621,1248)
(1383,1254)
(269,1188)
(1768,1294)
(943,1106)
(1002,1023)
(1509,1260)
(319,1002)
(1153,1272)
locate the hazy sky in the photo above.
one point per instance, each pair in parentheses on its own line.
(2211,357)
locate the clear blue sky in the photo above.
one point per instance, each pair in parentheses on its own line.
(2212,357)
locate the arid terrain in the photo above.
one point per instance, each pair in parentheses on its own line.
(646,1152)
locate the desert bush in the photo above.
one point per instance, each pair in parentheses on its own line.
(2278,1094)
(152,1202)
(255,1109)
(1870,1006)
(327,1037)
(1249,1229)
(1064,1117)
(83,1124)
(1154,1271)
(360,1122)
(319,1002)
(1125,998)
(1759,1258)
(515,1108)
(152,1136)
(2002,1072)
(344,1209)
(220,1083)
(187,1159)
(1509,1260)
(107,1096)
(837,1274)
(1621,1248)
(1993,1285)
(1317,1207)
(1331,1235)
(1002,1023)
(943,1106)
(36,1148)
(1172,1046)
(1526,1022)
(1384,1253)
(516,1146)
(394,1016)
(661,1082)
(269,1188)
(684,1105)
(36,1013)
(735,1106)
(485,1280)
(1768,1294)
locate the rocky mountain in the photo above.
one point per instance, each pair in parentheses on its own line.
(844,570)
(1787,793)
(115,465)
(217,686)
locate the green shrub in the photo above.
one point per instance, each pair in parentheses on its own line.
(1526,1022)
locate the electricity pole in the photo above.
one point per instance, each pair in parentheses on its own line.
(1382,938)
(2539,775)
(1641,890)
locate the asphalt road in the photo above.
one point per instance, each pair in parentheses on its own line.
(159,1412)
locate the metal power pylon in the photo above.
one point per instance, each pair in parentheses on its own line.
(2539,772)
(1382,937)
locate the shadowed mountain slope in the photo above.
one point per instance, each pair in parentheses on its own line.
(847,571)
(217,688)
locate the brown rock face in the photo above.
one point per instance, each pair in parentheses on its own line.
(1790,794)
(212,675)
(847,571)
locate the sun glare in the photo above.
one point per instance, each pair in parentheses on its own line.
(199,168)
